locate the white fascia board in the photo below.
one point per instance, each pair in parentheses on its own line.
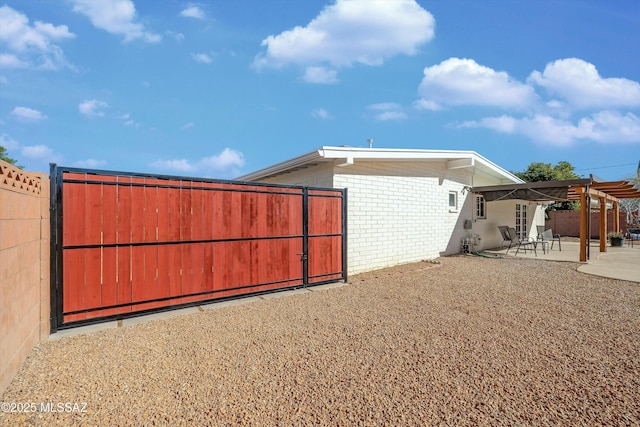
(391,154)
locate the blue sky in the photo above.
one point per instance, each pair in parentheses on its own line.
(222,88)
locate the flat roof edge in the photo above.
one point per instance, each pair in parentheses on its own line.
(336,152)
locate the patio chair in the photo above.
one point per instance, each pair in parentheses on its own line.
(524,244)
(633,234)
(546,235)
(504,233)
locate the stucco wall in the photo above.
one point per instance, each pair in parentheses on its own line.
(24,266)
(504,213)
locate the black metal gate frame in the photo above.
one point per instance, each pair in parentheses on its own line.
(56,247)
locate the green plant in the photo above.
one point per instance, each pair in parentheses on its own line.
(6,158)
(615,235)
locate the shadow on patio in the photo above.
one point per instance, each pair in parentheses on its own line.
(616,263)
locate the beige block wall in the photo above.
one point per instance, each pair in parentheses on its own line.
(24,266)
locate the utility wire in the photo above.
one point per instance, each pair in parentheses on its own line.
(606,167)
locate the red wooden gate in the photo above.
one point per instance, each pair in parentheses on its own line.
(125,244)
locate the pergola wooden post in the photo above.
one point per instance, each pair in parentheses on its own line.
(603,224)
(616,216)
(583,226)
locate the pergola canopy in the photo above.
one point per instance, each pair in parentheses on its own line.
(560,190)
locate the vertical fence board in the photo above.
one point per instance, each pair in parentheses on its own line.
(74,285)
(207,267)
(163,274)
(163,268)
(108,266)
(124,238)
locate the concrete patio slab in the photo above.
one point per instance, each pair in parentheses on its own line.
(616,263)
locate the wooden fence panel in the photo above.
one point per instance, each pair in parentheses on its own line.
(131,243)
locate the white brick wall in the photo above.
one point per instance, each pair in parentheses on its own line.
(399,212)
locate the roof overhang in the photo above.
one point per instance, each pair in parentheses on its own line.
(347,156)
(560,190)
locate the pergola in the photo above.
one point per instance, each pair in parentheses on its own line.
(584,190)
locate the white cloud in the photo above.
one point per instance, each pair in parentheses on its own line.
(606,127)
(502,124)
(348,32)
(7,142)
(92,108)
(202,58)
(32,156)
(581,85)
(179,37)
(39,152)
(321,113)
(187,126)
(574,84)
(127,120)
(320,75)
(193,11)
(25,114)
(31,46)
(388,111)
(612,127)
(384,106)
(89,163)
(228,160)
(180,165)
(391,115)
(116,17)
(423,104)
(8,60)
(458,81)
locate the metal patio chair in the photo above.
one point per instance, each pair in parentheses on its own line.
(633,235)
(524,244)
(546,235)
(504,233)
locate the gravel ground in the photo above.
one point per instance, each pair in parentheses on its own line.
(474,341)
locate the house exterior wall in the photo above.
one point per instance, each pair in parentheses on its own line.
(504,213)
(398,212)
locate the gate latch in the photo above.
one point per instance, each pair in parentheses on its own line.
(303,256)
